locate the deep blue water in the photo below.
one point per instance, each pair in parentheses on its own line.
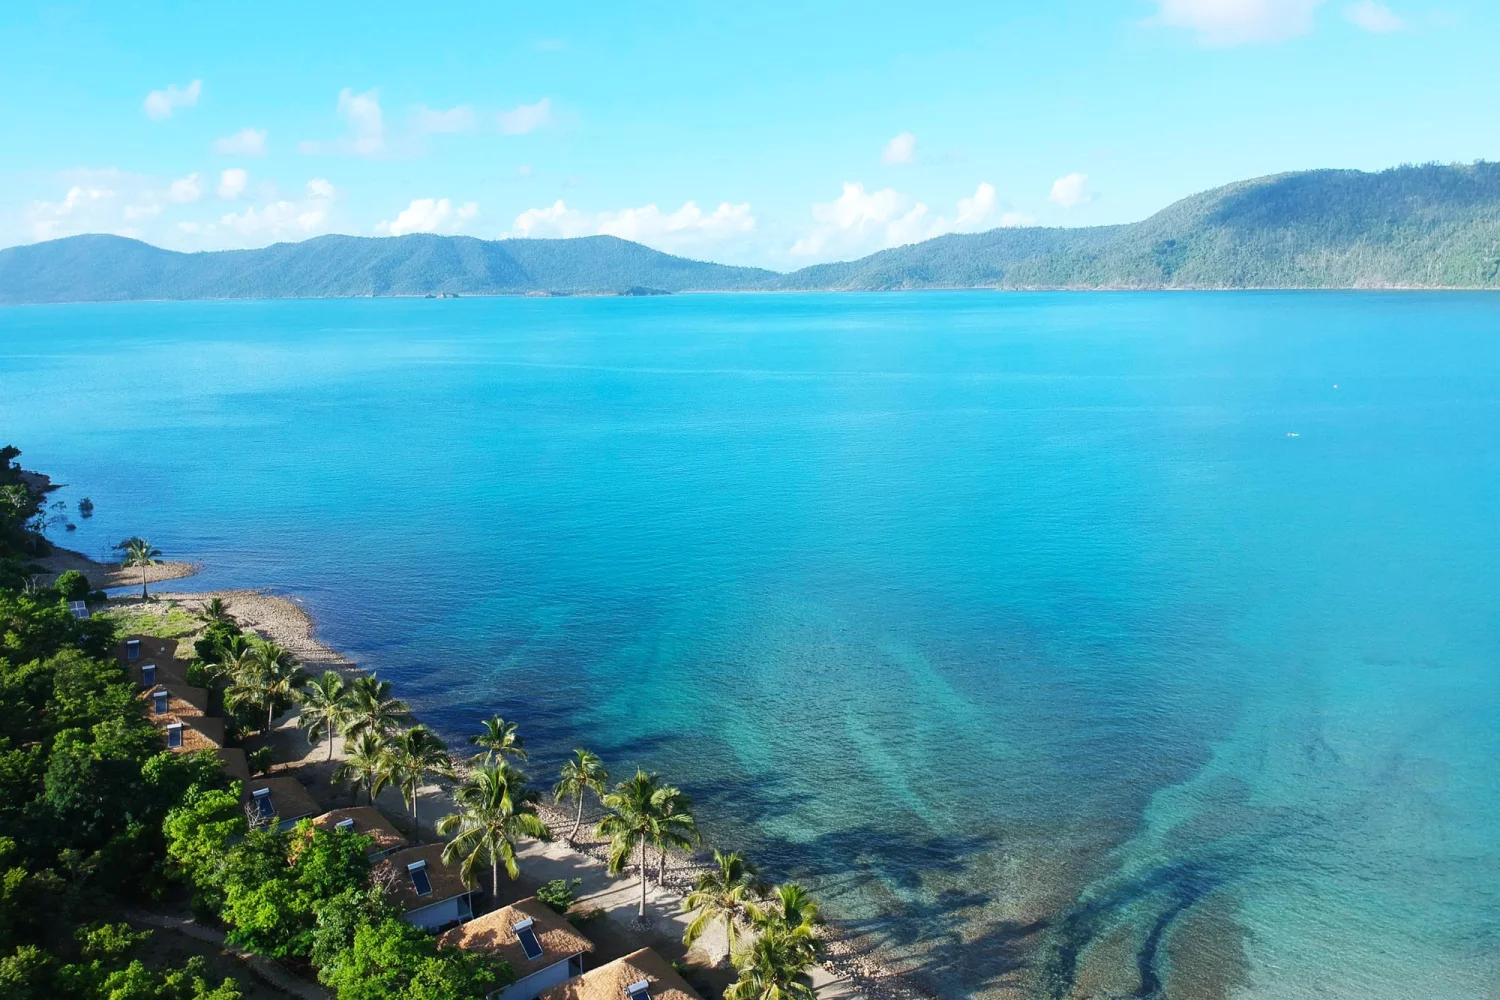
(1019,625)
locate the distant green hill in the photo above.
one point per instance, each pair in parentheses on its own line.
(1427,226)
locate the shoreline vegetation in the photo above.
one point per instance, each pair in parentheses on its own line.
(620,854)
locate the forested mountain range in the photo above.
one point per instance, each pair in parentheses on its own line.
(1418,226)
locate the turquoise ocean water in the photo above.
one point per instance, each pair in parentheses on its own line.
(1021,626)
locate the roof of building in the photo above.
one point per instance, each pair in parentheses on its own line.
(152,648)
(288,797)
(181,699)
(368,821)
(194,736)
(611,980)
(233,759)
(495,934)
(444,879)
(170,672)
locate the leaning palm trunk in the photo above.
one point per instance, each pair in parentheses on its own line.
(144,596)
(661,872)
(577,821)
(642,912)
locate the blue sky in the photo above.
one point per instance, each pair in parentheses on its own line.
(777,134)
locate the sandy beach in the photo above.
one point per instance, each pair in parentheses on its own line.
(850,971)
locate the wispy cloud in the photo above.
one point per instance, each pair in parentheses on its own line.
(686,229)
(525,118)
(1374,17)
(185,190)
(365,124)
(861,221)
(459,119)
(1071,190)
(901,149)
(1238,22)
(246,142)
(430,215)
(232,183)
(160,104)
(85,208)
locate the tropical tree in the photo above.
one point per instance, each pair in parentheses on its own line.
(325,707)
(495,807)
(268,678)
(216,612)
(792,913)
(139,553)
(497,739)
(675,826)
(726,894)
(373,709)
(630,823)
(366,763)
(413,754)
(770,969)
(583,773)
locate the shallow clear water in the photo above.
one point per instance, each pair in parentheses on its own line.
(1017,624)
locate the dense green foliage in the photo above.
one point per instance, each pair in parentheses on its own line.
(96,815)
(1425,226)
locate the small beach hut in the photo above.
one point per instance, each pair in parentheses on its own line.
(541,946)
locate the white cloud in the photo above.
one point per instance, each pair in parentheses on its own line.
(901,149)
(82,210)
(277,219)
(185,189)
(687,229)
(684,229)
(556,220)
(246,142)
(366,126)
(141,213)
(459,119)
(526,118)
(232,183)
(1235,22)
(1071,191)
(429,215)
(1373,16)
(160,104)
(860,222)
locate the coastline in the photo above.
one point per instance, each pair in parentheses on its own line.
(849,970)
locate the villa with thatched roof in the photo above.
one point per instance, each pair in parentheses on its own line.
(641,975)
(541,946)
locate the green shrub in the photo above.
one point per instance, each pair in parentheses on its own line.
(72,586)
(560,894)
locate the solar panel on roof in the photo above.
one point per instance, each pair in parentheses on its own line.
(264,809)
(526,934)
(640,990)
(132,649)
(148,675)
(174,735)
(419,879)
(159,702)
(344,824)
(79,609)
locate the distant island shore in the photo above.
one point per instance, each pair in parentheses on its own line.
(1410,227)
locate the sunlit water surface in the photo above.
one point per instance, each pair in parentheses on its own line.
(1075,645)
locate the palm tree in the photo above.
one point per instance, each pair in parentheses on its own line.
(499,738)
(725,893)
(269,678)
(216,612)
(139,552)
(769,969)
(325,706)
(792,913)
(366,762)
(582,774)
(415,753)
(372,708)
(631,823)
(675,826)
(495,807)
(234,658)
